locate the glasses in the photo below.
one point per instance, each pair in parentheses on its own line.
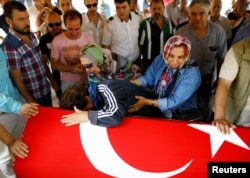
(88,66)
(91,5)
(57,24)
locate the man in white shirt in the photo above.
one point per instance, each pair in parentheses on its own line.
(121,31)
(92,21)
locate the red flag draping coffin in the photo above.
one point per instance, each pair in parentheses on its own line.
(139,147)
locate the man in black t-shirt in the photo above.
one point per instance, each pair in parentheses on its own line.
(54,23)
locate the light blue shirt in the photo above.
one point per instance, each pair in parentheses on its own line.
(8,93)
(183,96)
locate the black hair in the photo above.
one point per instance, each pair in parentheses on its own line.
(11,5)
(121,1)
(75,95)
(72,14)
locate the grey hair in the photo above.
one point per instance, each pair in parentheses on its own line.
(203,3)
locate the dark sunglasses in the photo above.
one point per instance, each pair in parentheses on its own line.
(57,24)
(91,5)
(88,66)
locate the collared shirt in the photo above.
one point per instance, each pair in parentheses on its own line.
(152,38)
(95,31)
(230,70)
(123,36)
(225,23)
(183,95)
(27,59)
(209,48)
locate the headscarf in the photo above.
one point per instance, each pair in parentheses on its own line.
(174,41)
(169,76)
(102,58)
(94,53)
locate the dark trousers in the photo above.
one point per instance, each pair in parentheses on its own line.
(204,94)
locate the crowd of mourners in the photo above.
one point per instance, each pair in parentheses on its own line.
(182,61)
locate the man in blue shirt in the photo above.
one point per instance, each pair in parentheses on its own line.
(12,121)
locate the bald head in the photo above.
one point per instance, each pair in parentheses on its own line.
(54,23)
(215,8)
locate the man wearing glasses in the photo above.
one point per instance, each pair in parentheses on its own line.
(93,22)
(54,24)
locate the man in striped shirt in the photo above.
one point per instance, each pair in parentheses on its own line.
(153,33)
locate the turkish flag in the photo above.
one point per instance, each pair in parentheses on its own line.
(147,146)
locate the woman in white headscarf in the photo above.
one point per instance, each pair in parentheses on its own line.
(175,78)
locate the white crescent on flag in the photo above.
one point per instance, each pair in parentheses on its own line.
(101,154)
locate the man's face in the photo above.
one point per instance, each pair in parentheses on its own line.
(198,16)
(157,10)
(215,8)
(20,22)
(122,10)
(73,28)
(54,24)
(65,5)
(91,6)
(133,5)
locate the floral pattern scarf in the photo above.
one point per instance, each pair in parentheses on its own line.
(169,76)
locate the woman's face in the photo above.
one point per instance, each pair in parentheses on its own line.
(89,66)
(177,56)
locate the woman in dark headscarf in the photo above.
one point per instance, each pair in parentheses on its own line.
(175,78)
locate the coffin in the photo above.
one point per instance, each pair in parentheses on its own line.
(138,147)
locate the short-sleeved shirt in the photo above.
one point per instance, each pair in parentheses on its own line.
(27,59)
(229,70)
(63,48)
(206,50)
(152,38)
(123,36)
(225,23)
(45,43)
(90,28)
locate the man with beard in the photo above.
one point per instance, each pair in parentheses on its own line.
(92,21)
(54,24)
(24,56)
(153,33)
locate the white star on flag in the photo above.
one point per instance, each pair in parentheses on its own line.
(217,138)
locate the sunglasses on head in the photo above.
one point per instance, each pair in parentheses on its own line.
(91,5)
(57,24)
(88,66)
